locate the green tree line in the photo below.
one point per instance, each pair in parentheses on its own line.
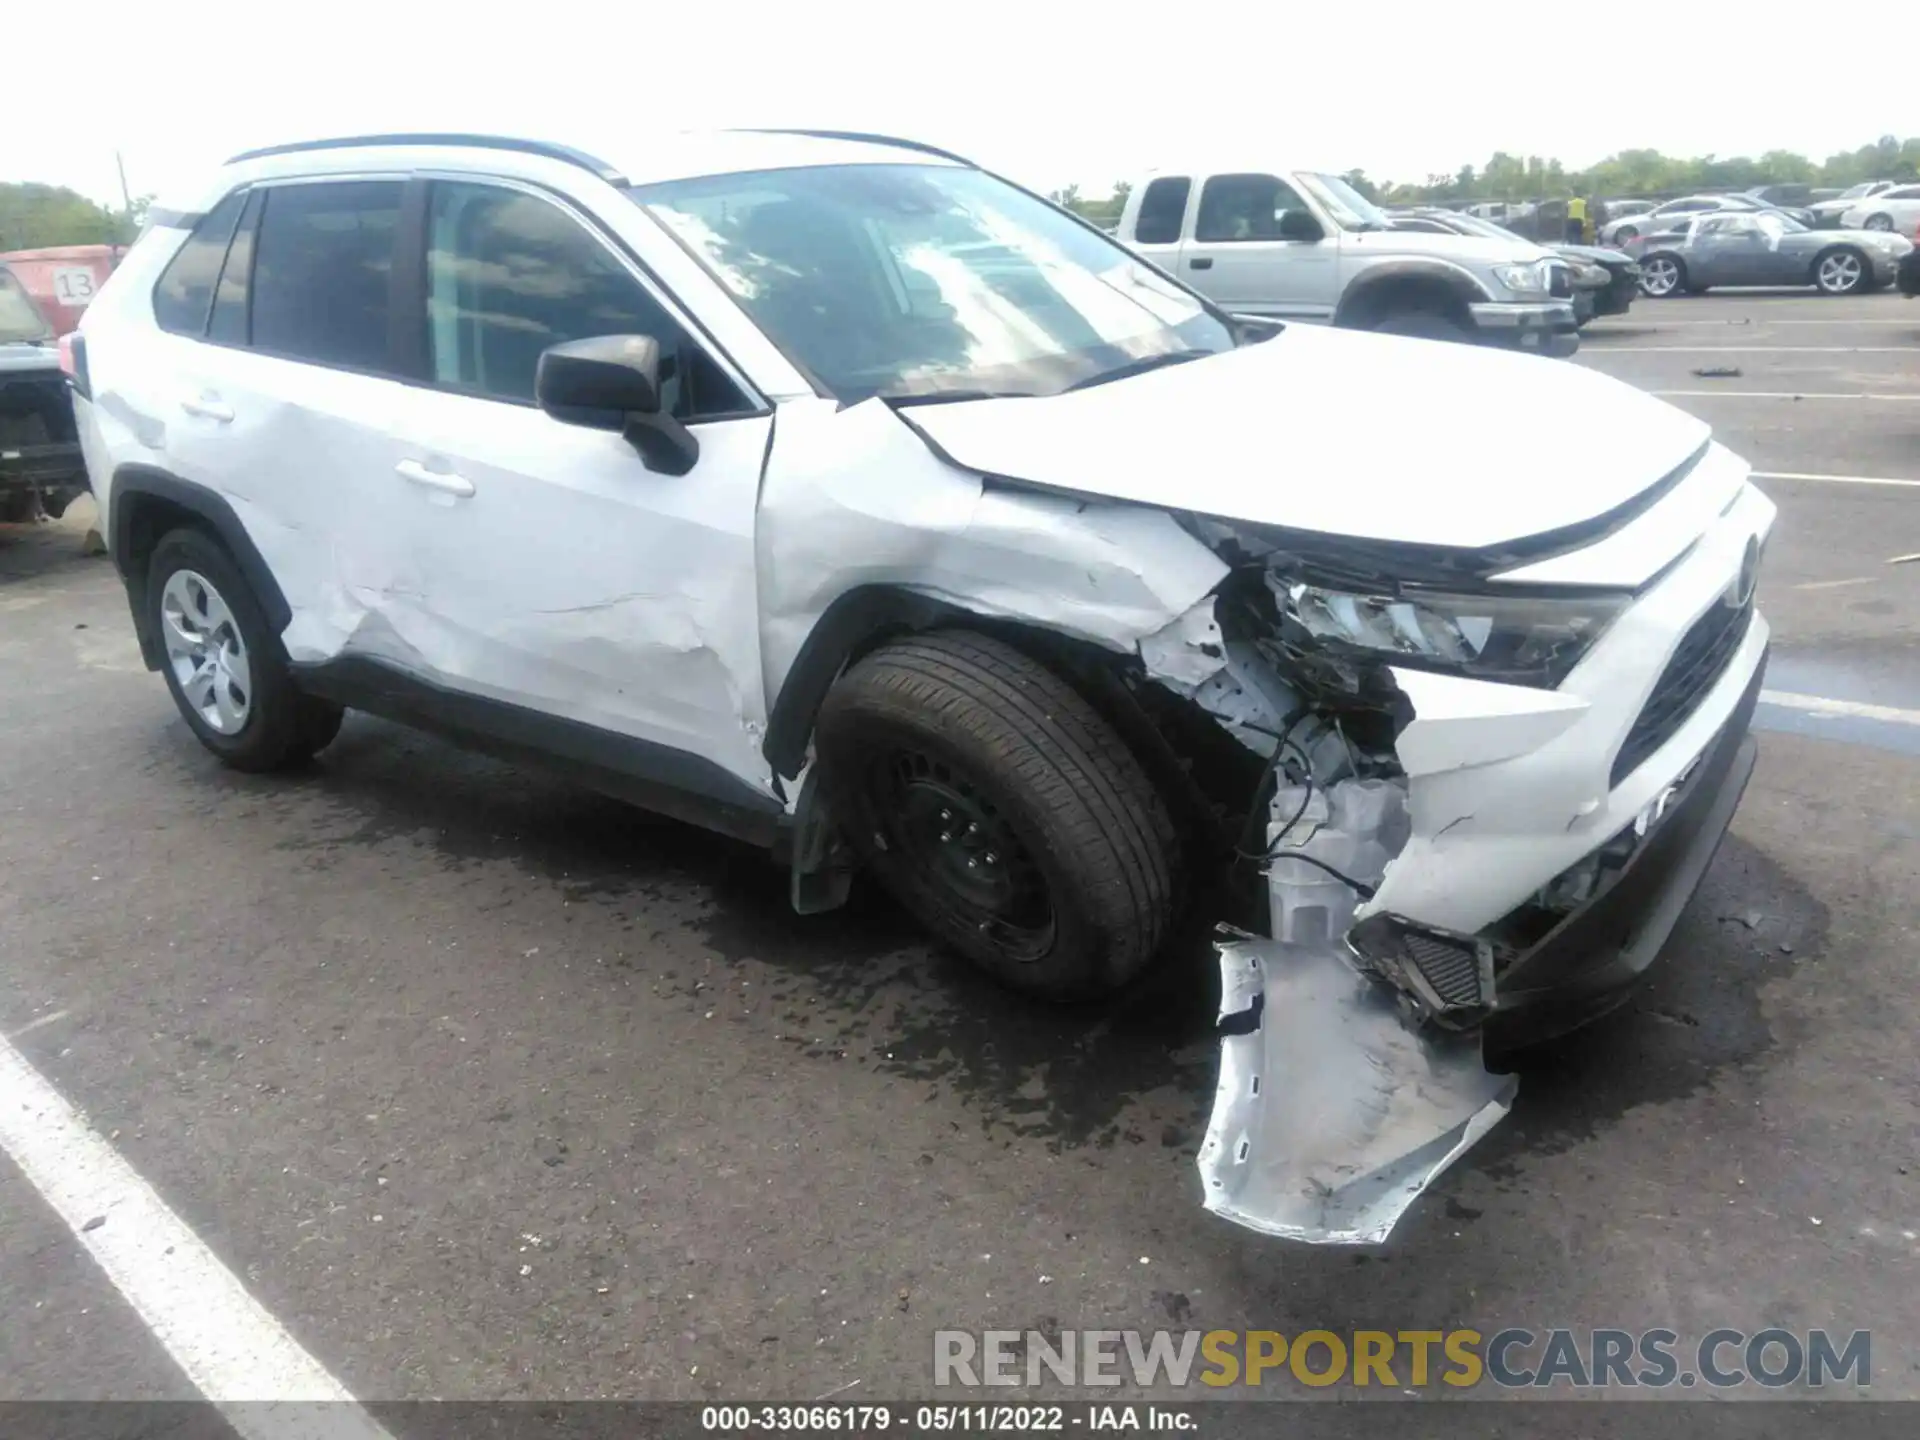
(1628,172)
(33,216)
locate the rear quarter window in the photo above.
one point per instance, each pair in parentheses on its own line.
(184,295)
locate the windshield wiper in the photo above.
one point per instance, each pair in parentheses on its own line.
(1142,366)
(948,397)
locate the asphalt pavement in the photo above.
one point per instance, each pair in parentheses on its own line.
(487,1088)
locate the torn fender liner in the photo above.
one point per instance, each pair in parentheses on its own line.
(1333,1112)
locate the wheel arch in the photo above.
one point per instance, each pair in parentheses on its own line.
(1380,289)
(147,502)
(1162,738)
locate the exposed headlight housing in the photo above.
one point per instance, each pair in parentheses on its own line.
(1513,639)
(1533,278)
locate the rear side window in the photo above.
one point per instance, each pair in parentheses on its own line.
(229,323)
(322,261)
(185,293)
(1162,208)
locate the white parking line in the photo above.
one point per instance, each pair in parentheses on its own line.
(1833,479)
(1635,327)
(1850,709)
(234,1352)
(1773,395)
(1752,350)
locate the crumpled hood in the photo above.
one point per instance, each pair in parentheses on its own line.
(1341,433)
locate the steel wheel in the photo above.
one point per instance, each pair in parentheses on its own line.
(963,853)
(1839,273)
(206,652)
(1660,276)
(1879,222)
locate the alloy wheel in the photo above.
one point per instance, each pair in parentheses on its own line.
(206,652)
(1839,274)
(1660,276)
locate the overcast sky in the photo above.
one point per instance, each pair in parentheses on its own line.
(1049,93)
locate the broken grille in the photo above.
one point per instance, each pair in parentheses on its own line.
(1702,658)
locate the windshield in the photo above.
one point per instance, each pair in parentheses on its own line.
(928,280)
(1351,210)
(1774,223)
(1854,192)
(19,320)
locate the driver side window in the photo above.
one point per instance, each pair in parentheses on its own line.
(1244,207)
(509,274)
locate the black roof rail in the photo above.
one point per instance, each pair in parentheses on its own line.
(865,138)
(564,153)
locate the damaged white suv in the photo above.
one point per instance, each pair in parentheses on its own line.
(832,492)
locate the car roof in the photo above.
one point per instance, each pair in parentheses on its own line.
(637,158)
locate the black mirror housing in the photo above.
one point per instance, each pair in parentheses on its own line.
(1299,225)
(612,382)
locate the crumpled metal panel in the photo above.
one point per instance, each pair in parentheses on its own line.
(1334,1112)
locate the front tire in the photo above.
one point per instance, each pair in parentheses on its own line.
(223,664)
(1003,812)
(1841,272)
(1880,222)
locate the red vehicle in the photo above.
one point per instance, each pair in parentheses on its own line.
(63,278)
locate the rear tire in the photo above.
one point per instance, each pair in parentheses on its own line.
(1003,813)
(1879,222)
(1662,277)
(223,665)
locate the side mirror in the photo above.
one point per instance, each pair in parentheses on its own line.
(612,382)
(1300,225)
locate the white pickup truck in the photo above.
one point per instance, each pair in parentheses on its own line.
(1302,245)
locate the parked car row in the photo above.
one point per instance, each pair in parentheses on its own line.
(1604,281)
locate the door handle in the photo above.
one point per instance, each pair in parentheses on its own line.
(440,480)
(208,410)
(1201,262)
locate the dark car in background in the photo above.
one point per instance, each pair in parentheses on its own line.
(1909,277)
(41,468)
(1604,281)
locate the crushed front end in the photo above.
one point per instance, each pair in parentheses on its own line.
(1488,785)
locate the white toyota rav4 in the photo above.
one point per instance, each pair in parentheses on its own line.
(828,490)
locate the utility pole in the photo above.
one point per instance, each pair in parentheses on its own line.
(126,196)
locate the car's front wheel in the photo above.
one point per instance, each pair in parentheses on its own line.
(1880,222)
(222,663)
(1840,272)
(1002,811)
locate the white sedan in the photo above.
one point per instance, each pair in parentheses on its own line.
(1895,209)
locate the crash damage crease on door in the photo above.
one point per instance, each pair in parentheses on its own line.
(1346,1086)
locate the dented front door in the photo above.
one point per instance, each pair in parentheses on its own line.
(556,572)
(562,575)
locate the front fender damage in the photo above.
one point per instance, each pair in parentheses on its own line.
(1351,1075)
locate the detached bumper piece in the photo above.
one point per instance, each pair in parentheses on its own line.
(1336,1106)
